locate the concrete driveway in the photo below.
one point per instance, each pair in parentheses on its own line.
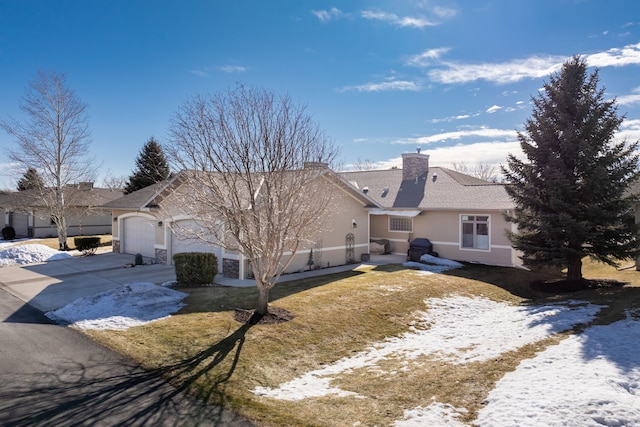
(51,285)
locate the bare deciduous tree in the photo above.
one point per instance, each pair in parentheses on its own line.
(480,170)
(54,140)
(364,165)
(256,182)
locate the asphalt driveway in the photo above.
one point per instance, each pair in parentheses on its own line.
(54,375)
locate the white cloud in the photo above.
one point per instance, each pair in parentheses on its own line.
(506,72)
(233,69)
(327,15)
(406,21)
(492,153)
(616,57)
(397,85)
(633,98)
(493,109)
(629,130)
(428,57)
(482,132)
(534,67)
(200,73)
(452,118)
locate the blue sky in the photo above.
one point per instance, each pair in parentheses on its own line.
(381,77)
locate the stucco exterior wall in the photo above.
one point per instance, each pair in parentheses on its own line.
(96,223)
(347,216)
(444,230)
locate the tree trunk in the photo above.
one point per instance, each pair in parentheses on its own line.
(262,307)
(574,269)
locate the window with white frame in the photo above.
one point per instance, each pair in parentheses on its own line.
(400,223)
(475,231)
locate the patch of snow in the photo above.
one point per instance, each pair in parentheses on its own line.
(130,305)
(590,379)
(30,254)
(433,264)
(457,330)
(436,414)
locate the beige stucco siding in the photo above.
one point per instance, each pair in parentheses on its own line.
(444,230)
(96,223)
(330,245)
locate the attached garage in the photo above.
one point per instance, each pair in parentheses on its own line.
(138,236)
(180,241)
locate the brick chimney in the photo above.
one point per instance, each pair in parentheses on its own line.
(414,165)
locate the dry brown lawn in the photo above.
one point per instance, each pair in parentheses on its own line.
(204,351)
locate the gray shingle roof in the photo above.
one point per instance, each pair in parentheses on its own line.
(442,189)
(74,196)
(138,199)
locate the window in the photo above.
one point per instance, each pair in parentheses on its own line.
(475,231)
(400,223)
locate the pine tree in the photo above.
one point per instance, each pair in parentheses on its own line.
(572,195)
(151,165)
(30,180)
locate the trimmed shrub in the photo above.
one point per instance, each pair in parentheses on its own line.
(8,233)
(195,268)
(87,244)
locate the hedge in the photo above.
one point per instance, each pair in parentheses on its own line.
(195,268)
(87,244)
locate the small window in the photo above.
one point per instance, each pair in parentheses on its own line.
(400,223)
(475,231)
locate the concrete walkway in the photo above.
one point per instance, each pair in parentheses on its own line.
(51,285)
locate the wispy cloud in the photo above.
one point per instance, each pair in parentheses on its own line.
(233,68)
(453,118)
(482,132)
(399,21)
(616,57)
(427,58)
(632,98)
(534,67)
(200,72)
(493,109)
(327,15)
(390,85)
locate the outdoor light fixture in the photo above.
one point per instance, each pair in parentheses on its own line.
(159,223)
(353,223)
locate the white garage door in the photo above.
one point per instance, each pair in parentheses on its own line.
(179,242)
(139,236)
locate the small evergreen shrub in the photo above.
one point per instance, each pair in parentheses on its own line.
(195,268)
(137,260)
(87,244)
(8,233)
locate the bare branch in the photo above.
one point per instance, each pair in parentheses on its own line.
(257,167)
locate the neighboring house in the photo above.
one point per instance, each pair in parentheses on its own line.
(461,215)
(148,221)
(27,212)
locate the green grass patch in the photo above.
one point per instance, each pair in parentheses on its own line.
(204,351)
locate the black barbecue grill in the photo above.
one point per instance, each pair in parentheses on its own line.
(418,247)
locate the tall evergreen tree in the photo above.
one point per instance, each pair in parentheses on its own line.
(30,180)
(152,167)
(572,195)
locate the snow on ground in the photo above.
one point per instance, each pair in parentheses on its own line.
(456,329)
(589,379)
(433,264)
(11,254)
(130,305)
